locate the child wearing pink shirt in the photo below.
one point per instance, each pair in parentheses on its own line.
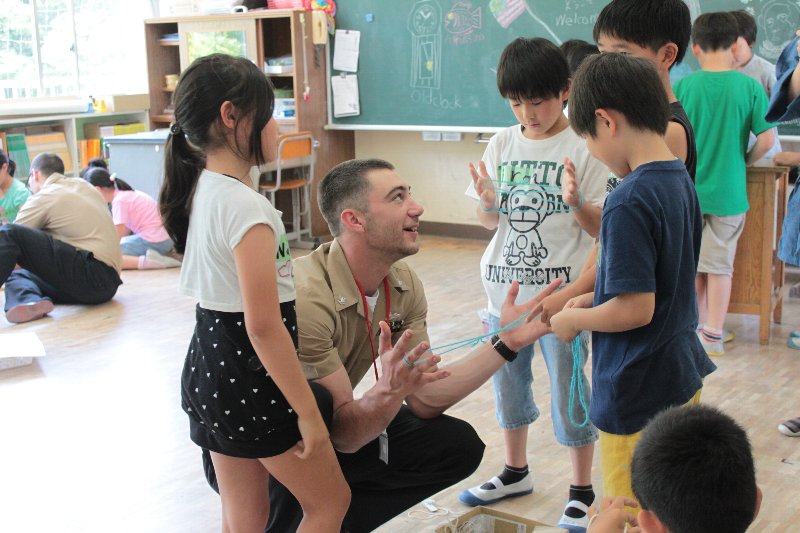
(144,241)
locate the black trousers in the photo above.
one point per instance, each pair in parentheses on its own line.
(51,269)
(425,456)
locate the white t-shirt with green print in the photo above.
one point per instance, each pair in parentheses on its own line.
(537,239)
(223,211)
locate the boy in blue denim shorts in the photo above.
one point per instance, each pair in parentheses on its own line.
(518,186)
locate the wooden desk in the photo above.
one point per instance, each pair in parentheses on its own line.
(757,271)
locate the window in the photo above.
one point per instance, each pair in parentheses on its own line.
(52,48)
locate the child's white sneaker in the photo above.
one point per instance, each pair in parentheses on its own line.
(154,259)
(575,525)
(494,491)
(790,428)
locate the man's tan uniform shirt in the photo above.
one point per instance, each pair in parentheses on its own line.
(72,211)
(330,313)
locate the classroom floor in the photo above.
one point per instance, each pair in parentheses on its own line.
(93,438)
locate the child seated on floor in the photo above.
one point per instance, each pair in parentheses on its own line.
(143,239)
(13,192)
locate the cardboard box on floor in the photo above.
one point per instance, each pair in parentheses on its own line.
(487,520)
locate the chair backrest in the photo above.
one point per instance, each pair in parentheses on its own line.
(294,150)
(294,145)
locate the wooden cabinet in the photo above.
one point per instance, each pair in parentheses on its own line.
(758,274)
(263,34)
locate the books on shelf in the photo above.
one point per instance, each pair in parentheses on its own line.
(54,143)
(18,152)
(88,149)
(101,131)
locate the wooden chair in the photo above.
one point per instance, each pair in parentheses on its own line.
(295,151)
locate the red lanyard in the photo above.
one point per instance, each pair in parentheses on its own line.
(366,316)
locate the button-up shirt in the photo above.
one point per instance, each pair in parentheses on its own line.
(331,317)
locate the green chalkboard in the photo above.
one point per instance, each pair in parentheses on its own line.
(430,64)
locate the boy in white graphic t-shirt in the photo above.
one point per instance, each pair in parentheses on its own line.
(537,240)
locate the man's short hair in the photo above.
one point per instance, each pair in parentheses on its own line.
(647,23)
(747,26)
(48,164)
(693,468)
(715,31)
(346,187)
(626,84)
(530,69)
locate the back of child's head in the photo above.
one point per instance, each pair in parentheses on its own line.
(619,82)
(747,26)
(576,50)
(101,177)
(93,162)
(693,468)
(715,31)
(530,69)
(202,88)
(647,23)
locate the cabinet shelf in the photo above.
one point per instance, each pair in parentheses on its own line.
(268,33)
(169,43)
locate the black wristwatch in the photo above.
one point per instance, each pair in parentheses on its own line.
(500,347)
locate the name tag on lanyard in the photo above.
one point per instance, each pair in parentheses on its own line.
(383,447)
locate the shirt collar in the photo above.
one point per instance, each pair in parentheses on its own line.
(343,285)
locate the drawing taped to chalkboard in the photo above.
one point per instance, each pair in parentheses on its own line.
(425,25)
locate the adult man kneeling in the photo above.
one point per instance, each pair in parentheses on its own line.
(65,243)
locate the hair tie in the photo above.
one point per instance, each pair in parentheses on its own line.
(175,129)
(113,177)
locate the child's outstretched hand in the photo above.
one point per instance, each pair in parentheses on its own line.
(484,186)
(569,185)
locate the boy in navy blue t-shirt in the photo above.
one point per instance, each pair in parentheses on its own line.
(643,313)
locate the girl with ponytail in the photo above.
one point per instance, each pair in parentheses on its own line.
(144,241)
(242,386)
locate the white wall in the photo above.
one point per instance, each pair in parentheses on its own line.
(437,171)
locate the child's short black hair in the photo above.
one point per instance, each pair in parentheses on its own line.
(747,26)
(576,50)
(531,69)
(693,468)
(627,84)
(648,23)
(715,31)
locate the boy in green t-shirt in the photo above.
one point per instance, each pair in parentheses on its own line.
(12,192)
(724,106)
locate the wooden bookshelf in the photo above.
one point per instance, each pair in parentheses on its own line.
(268,33)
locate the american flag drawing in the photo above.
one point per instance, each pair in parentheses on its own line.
(506,11)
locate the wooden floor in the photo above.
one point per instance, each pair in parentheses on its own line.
(92,437)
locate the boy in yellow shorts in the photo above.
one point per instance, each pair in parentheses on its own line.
(643,311)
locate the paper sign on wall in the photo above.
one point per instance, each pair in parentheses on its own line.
(345,95)
(345,52)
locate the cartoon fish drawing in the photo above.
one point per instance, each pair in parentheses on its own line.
(462,19)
